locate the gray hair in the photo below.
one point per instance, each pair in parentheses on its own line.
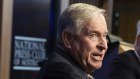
(74,18)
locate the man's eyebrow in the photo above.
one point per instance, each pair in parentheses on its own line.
(90,31)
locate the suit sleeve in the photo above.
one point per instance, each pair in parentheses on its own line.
(122,68)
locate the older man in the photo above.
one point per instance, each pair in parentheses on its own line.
(81,43)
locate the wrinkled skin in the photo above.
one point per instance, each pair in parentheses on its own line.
(89,47)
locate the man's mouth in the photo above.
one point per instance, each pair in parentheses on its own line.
(97,57)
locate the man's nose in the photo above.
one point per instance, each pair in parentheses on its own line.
(102,44)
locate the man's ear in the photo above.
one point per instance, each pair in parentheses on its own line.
(67,37)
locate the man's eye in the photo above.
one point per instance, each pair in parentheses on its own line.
(94,35)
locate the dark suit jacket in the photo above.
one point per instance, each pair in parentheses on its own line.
(125,66)
(61,65)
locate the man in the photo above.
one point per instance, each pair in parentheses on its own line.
(127,64)
(81,43)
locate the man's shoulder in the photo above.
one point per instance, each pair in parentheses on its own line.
(128,57)
(62,60)
(62,65)
(127,54)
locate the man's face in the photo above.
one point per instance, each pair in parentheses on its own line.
(137,44)
(90,46)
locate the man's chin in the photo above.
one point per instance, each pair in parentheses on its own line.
(94,67)
(97,66)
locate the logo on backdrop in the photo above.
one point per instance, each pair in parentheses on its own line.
(28,51)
